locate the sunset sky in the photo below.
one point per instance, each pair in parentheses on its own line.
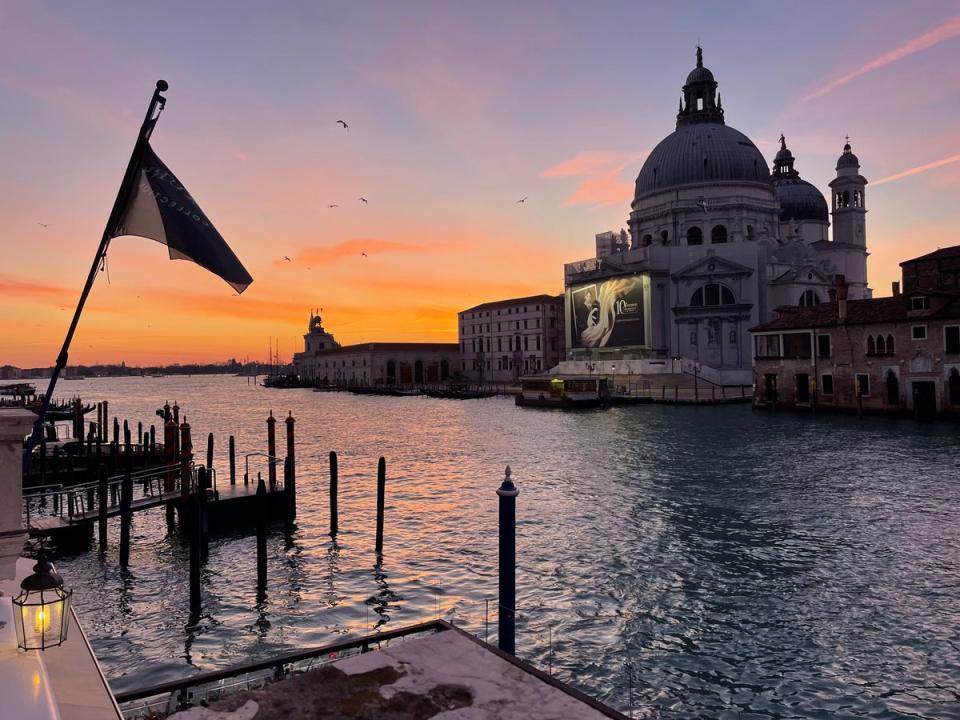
(456,111)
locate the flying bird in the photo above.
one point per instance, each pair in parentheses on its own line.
(43,224)
(333,205)
(363,200)
(364,254)
(345,126)
(522,200)
(286,259)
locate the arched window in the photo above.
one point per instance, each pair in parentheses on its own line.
(871,345)
(664,236)
(749,232)
(890,349)
(418,372)
(647,240)
(881,345)
(893,389)
(846,198)
(712,294)
(718,234)
(694,236)
(391,372)
(809,299)
(954,387)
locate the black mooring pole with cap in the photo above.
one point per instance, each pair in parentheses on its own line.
(508,564)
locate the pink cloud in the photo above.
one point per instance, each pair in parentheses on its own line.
(915,170)
(945,31)
(355,247)
(602,172)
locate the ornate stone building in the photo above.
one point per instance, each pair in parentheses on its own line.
(716,242)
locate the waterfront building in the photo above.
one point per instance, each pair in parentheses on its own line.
(715,243)
(502,340)
(325,361)
(898,354)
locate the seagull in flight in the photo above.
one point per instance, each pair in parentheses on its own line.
(286,259)
(333,205)
(363,200)
(522,200)
(345,126)
(364,254)
(43,224)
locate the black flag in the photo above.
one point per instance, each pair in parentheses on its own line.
(159,207)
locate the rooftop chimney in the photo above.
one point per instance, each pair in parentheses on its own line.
(842,289)
(896,288)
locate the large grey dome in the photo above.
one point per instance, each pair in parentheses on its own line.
(702,153)
(799,200)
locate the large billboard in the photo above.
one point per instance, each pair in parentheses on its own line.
(608,313)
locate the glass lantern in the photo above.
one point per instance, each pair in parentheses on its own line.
(41,612)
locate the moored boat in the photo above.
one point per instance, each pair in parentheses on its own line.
(567,392)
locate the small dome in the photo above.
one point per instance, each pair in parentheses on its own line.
(799,200)
(848,159)
(701,153)
(698,75)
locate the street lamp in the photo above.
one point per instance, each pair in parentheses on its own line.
(42,610)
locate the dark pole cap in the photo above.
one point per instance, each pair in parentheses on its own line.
(162,85)
(507,488)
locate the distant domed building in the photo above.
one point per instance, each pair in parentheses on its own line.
(716,241)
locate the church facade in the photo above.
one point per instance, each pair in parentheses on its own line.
(716,242)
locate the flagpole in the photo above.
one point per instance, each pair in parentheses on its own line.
(118,206)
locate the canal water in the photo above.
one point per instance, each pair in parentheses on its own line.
(708,562)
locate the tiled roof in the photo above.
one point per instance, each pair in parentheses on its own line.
(942,253)
(859,312)
(515,301)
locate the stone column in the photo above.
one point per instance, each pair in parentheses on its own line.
(15,424)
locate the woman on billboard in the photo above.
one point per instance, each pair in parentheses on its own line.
(598,334)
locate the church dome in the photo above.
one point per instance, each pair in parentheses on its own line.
(702,153)
(699,74)
(799,200)
(848,159)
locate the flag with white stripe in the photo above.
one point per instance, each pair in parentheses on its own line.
(159,207)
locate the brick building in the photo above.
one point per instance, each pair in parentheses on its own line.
(502,340)
(898,354)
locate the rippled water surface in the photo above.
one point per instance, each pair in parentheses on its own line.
(739,562)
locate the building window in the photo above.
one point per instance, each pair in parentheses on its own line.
(871,345)
(893,388)
(863,385)
(526,342)
(647,240)
(823,346)
(826,384)
(953,385)
(920,302)
(733,337)
(797,345)
(890,349)
(881,345)
(694,236)
(918,332)
(712,294)
(951,339)
(809,299)
(767,346)
(664,236)
(538,342)
(718,235)
(693,337)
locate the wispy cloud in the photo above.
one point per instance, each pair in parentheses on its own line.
(17,288)
(351,248)
(602,177)
(944,31)
(916,170)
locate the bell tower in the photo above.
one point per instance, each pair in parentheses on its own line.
(849,200)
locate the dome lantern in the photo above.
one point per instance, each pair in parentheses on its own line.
(699,103)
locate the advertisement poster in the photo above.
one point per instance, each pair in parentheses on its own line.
(608,313)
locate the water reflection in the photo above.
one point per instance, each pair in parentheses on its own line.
(737,561)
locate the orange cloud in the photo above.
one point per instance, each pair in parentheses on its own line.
(26,290)
(946,31)
(603,183)
(916,170)
(351,248)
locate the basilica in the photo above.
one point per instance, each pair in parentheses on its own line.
(716,242)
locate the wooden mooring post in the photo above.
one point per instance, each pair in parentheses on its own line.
(290,472)
(272,450)
(104,420)
(381,492)
(261,533)
(102,507)
(209,452)
(192,504)
(334,521)
(126,514)
(233,461)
